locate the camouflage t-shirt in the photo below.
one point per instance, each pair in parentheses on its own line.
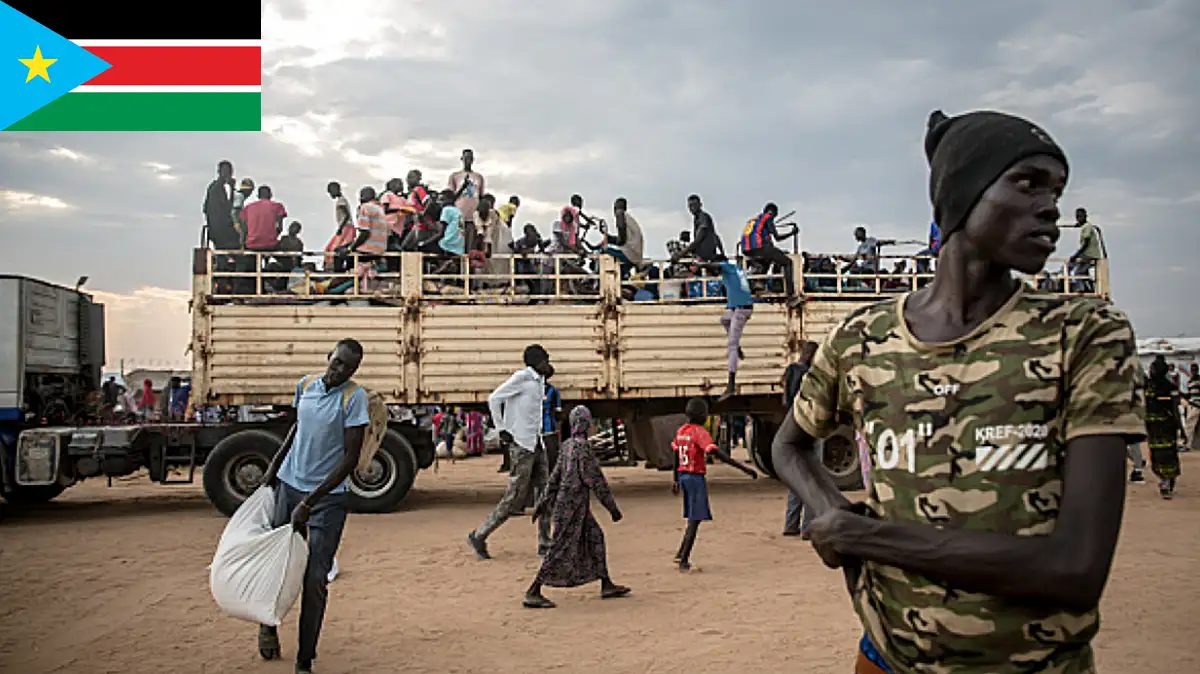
(971,435)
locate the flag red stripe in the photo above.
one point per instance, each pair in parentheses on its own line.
(180,66)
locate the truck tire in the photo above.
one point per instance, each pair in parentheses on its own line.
(385,484)
(840,455)
(762,434)
(236,466)
(33,495)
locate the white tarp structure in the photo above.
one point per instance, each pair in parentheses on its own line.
(1185,348)
(1180,351)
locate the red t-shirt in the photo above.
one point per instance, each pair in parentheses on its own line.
(262,217)
(692,445)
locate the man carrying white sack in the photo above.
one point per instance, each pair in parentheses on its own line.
(309,475)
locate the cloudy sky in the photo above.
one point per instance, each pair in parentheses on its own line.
(820,107)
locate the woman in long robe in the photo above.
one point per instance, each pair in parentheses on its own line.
(1162,428)
(577,554)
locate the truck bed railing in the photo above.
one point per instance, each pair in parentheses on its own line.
(1061,275)
(258,277)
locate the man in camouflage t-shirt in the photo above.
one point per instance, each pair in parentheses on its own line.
(996,436)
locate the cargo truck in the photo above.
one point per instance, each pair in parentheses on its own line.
(434,336)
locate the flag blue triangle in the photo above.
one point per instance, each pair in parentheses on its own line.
(21,38)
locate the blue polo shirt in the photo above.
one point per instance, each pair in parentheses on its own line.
(319,443)
(737,288)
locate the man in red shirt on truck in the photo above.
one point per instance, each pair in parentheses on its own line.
(692,445)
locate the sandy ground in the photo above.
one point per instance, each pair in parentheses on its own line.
(115,580)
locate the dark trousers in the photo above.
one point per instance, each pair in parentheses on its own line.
(529,474)
(325,527)
(797,516)
(780,261)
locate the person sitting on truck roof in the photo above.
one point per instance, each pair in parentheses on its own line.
(264,222)
(508,211)
(452,241)
(707,246)
(291,243)
(371,240)
(626,244)
(310,475)
(758,243)
(244,190)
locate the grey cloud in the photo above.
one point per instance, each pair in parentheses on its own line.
(817,107)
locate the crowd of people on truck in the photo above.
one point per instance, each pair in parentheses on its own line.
(464,225)
(993,421)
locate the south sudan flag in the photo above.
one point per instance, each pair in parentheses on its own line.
(129,65)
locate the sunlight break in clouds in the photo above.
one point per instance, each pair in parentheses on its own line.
(15,201)
(333,31)
(71,155)
(147,324)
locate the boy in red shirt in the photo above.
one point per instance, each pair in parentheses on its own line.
(692,445)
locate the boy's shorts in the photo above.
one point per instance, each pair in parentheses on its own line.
(869,660)
(695,497)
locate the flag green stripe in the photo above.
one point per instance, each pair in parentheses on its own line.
(148,111)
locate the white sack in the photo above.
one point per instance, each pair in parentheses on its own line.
(258,571)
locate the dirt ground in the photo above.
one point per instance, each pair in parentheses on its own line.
(115,580)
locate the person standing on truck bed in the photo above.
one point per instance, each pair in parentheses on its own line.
(467,187)
(309,475)
(996,419)
(516,408)
(218,209)
(343,229)
(218,216)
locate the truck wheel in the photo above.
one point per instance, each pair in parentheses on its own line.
(34,494)
(236,466)
(762,434)
(382,487)
(841,460)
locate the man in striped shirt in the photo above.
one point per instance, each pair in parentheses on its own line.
(373,231)
(758,243)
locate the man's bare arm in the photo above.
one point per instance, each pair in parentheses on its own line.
(280,455)
(796,462)
(1066,568)
(730,461)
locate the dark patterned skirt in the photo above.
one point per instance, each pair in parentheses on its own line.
(1162,437)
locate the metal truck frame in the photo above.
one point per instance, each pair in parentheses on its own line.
(436,332)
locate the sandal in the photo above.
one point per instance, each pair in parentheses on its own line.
(268,644)
(614,592)
(537,601)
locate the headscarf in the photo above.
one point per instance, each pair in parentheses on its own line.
(581,422)
(149,400)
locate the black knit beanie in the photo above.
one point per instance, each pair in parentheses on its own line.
(969,152)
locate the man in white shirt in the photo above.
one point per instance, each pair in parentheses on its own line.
(516,408)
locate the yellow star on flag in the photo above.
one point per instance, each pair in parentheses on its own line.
(38,65)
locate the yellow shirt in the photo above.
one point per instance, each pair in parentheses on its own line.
(507,213)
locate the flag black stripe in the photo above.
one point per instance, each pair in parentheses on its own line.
(144,20)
